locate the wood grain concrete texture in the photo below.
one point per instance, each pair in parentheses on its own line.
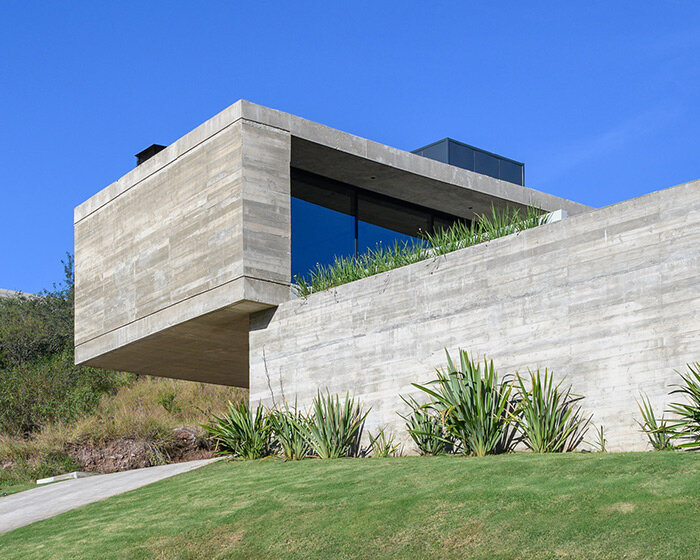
(609,300)
(173,257)
(167,270)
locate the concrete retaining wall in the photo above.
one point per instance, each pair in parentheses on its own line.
(609,298)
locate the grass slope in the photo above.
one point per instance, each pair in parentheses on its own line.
(643,505)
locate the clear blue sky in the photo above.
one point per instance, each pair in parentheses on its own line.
(601,100)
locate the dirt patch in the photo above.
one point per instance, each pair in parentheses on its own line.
(621,507)
(124,454)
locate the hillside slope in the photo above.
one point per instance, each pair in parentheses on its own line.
(149,421)
(56,417)
(576,506)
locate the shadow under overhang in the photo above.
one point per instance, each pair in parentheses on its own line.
(212,348)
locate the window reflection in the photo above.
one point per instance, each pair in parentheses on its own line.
(318,235)
(332,219)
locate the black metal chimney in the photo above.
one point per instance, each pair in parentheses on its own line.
(148,153)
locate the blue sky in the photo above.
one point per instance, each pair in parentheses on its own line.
(601,100)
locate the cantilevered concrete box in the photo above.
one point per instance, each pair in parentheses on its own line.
(173,258)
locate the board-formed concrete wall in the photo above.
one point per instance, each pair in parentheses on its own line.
(609,299)
(171,258)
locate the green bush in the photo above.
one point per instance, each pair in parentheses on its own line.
(688,411)
(51,389)
(473,405)
(33,327)
(334,427)
(546,415)
(426,429)
(39,382)
(242,432)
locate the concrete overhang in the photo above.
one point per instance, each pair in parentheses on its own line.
(172,258)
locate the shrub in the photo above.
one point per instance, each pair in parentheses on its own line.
(688,412)
(51,389)
(39,382)
(334,427)
(658,432)
(26,460)
(473,405)
(383,444)
(242,432)
(289,427)
(546,415)
(426,429)
(32,327)
(133,414)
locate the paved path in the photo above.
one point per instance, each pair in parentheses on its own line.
(29,506)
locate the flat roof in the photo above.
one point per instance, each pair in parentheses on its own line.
(355,160)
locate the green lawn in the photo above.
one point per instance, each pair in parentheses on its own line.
(14,488)
(636,505)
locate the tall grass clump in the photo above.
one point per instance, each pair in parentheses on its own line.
(483,228)
(687,427)
(460,235)
(335,427)
(289,427)
(658,431)
(383,444)
(242,432)
(546,415)
(473,405)
(426,429)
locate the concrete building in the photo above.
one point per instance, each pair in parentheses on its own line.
(184,266)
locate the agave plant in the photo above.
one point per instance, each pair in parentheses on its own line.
(658,432)
(383,444)
(472,404)
(289,432)
(688,412)
(334,427)
(426,430)
(241,432)
(547,416)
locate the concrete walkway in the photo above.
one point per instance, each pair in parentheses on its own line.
(23,508)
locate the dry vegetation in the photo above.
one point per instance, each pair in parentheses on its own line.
(149,421)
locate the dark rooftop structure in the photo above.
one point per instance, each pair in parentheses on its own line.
(148,153)
(474,159)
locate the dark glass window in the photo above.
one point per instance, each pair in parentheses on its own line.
(437,151)
(443,222)
(485,164)
(323,224)
(318,235)
(386,221)
(332,219)
(509,171)
(461,156)
(471,158)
